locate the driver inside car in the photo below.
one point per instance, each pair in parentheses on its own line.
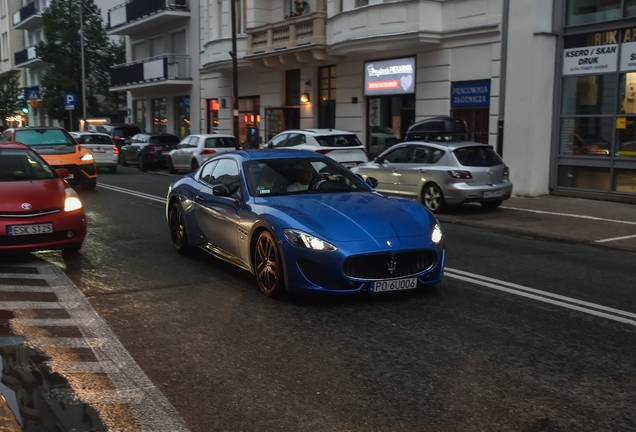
(304,179)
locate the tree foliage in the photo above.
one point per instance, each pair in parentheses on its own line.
(9,93)
(62,49)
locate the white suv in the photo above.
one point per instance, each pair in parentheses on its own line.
(342,146)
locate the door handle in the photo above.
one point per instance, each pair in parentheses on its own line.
(421,171)
(199,198)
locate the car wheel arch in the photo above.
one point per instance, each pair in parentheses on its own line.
(426,184)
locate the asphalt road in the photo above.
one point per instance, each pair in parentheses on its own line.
(524,333)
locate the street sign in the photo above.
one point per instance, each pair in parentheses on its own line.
(70,101)
(33,95)
(33,103)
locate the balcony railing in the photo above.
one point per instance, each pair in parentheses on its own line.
(29,16)
(292,33)
(25,56)
(136,9)
(160,68)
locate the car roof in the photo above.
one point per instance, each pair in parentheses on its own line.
(451,145)
(264,154)
(14,145)
(317,132)
(214,135)
(39,128)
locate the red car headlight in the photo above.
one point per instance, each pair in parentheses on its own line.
(72,201)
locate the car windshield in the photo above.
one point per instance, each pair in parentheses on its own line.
(167,139)
(300,176)
(348,140)
(19,164)
(477,156)
(37,137)
(126,131)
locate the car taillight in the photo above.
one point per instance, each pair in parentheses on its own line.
(208,152)
(115,150)
(506,172)
(460,174)
(323,151)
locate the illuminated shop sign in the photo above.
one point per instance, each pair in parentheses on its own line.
(473,94)
(389,77)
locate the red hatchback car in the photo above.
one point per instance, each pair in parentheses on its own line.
(39,210)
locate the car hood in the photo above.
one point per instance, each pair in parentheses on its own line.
(40,194)
(352,216)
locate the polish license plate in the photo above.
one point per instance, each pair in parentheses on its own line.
(493,194)
(394,285)
(165,152)
(98,150)
(17,230)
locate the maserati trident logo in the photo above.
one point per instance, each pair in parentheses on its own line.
(26,206)
(392,264)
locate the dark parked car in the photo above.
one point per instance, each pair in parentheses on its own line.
(120,133)
(148,150)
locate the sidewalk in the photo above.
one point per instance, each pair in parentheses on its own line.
(604,223)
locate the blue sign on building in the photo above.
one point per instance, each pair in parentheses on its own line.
(470,94)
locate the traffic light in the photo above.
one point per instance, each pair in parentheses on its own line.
(25,109)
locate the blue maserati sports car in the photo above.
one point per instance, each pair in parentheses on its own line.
(301,222)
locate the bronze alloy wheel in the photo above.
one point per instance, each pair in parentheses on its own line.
(178,233)
(268,266)
(433,198)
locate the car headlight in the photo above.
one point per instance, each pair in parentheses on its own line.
(72,201)
(304,240)
(436,235)
(87,157)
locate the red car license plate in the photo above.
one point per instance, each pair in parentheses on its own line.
(16,230)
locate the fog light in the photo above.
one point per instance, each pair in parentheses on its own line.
(70,234)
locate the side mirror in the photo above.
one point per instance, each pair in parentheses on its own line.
(221,189)
(269,145)
(372,181)
(378,160)
(63,172)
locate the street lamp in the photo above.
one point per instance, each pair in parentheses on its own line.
(83,68)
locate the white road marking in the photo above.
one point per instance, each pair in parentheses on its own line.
(582,217)
(616,238)
(132,192)
(543,296)
(151,409)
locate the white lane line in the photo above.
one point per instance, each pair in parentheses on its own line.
(571,215)
(132,192)
(543,296)
(616,238)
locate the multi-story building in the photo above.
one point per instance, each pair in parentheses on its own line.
(10,42)
(162,74)
(546,82)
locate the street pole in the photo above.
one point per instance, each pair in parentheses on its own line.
(83,68)
(235,118)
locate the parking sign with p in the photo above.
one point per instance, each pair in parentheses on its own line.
(70,101)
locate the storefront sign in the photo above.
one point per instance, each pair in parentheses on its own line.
(590,60)
(473,94)
(389,77)
(628,56)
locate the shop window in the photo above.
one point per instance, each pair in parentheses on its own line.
(630,8)
(584,177)
(594,94)
(139,113)
(625,180)
(213,115)
(327,102)
(591,11)
(160,122)
(292,87)
(587,136)
(182,116)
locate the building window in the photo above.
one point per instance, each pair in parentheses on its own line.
(361,3)
(159,122)
(590,11)
(213,115)
(292,87)
(139,113)
(327,94)
(5,46)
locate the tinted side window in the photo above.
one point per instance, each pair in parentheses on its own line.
(279,141)
(396,155)
(226,171)
(206,172)
(349,140)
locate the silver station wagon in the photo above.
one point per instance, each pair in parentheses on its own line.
(437,166)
